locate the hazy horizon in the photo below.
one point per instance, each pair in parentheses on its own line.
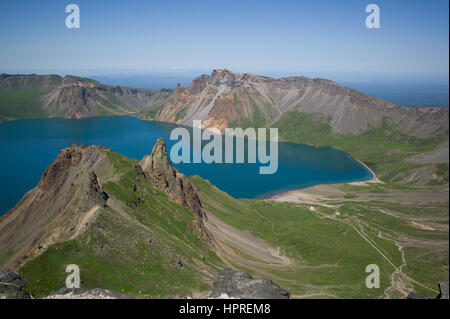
(288,36)
(411,91)
(156,44)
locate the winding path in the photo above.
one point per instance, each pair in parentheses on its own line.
(397,269)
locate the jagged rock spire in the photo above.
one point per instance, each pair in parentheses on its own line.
(175,184)
(169,179)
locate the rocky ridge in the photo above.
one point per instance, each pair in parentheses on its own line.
(12,286)
(170,179)
(174,183)
(229,284)
(443,293)
(67,190)
(241,285)
(70,196)
(226,99)
(73,97)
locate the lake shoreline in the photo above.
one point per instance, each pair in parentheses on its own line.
(276,194)
(291,195)
(301,165)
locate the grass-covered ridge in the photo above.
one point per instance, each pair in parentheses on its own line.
(330,257)
(44,96)
(19,105)
(386,146)
(142,244)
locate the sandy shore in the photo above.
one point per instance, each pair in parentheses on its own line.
(374,176)
(318,193)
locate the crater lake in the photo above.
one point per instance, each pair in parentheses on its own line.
(29,146)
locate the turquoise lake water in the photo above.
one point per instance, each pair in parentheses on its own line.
(29,146)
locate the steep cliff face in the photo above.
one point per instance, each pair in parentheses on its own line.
(222,99)
(54,209)
(169,179)
(100,210)
(227,99)
(175,184)
(68,97)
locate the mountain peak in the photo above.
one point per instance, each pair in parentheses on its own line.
(175,184)
(67,190)
(225,98)
(169,179)
(158,161)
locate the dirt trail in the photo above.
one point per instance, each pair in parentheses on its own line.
(245,248)
(397,282)
(397,270)
(239,248)
(117,206)
(82,224)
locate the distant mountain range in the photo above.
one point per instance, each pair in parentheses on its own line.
(143,228)
(222,99)
(32,96)
(313,111)
(227,99)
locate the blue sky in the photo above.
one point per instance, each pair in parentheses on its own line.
(266,37)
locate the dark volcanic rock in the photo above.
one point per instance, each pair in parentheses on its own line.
(443,290)
(140,175)
(95,190)
(418,295)
(56,174)
(236,284)
(443,293)
(12,286)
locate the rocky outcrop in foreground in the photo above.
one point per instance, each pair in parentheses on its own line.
(12,286)
(241,285)
(84,293)
(67,190)
(229,284)
(443,293)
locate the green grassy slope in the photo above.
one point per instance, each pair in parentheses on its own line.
(331,257)
(148,247)
(23,97)
(386,146)
(313,240)
(19,105)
